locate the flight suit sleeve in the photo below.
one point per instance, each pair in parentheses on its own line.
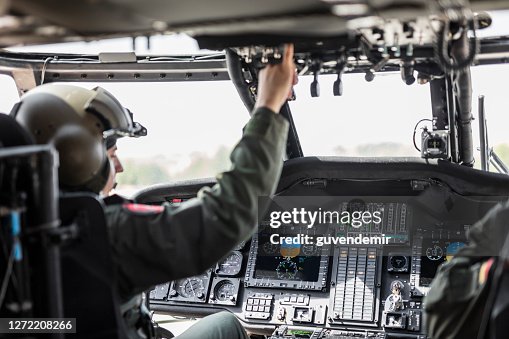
(152,248)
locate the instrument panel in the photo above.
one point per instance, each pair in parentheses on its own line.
(333,289)
(192,289)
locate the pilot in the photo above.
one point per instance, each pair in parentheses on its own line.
(155,244)
(115,166)
(459,295)
(223,323)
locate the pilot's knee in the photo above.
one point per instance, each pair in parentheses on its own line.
(229,325)
(226,318)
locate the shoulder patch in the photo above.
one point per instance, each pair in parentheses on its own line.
(141,209)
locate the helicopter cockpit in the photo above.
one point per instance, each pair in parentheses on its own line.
(380,184)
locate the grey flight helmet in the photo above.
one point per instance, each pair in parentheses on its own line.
(77,121)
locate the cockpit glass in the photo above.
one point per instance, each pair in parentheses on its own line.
(192,127)
(498,26)
(9,93)
(370,119)
(486,81)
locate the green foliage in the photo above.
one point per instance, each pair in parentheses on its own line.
(144,172)
(502,150)
(203,166)
(386,149)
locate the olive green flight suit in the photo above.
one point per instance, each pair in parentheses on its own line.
(455,302)
(155,245)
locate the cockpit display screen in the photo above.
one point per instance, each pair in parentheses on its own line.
(434,253)
(292,262)
(286,264)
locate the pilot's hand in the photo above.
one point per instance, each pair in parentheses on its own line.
(275,82)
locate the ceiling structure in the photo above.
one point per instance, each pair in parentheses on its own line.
(50,21)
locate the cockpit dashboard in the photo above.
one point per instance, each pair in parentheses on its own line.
(287,283)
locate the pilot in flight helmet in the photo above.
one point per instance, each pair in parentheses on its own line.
(76,121)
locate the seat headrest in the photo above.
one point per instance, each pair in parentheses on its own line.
(12,133)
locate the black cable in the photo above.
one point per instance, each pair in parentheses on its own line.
(415,131)
(289,187)
(2,171)
(441,48)
(44,67)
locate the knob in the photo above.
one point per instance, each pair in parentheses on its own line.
(369,76)
(315,87)
(281,313)
(337,87)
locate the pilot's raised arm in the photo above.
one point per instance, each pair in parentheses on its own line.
(152,245)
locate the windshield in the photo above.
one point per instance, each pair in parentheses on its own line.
(370,119)
(9,93)
(496,102)
(192,127)
(378,118)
